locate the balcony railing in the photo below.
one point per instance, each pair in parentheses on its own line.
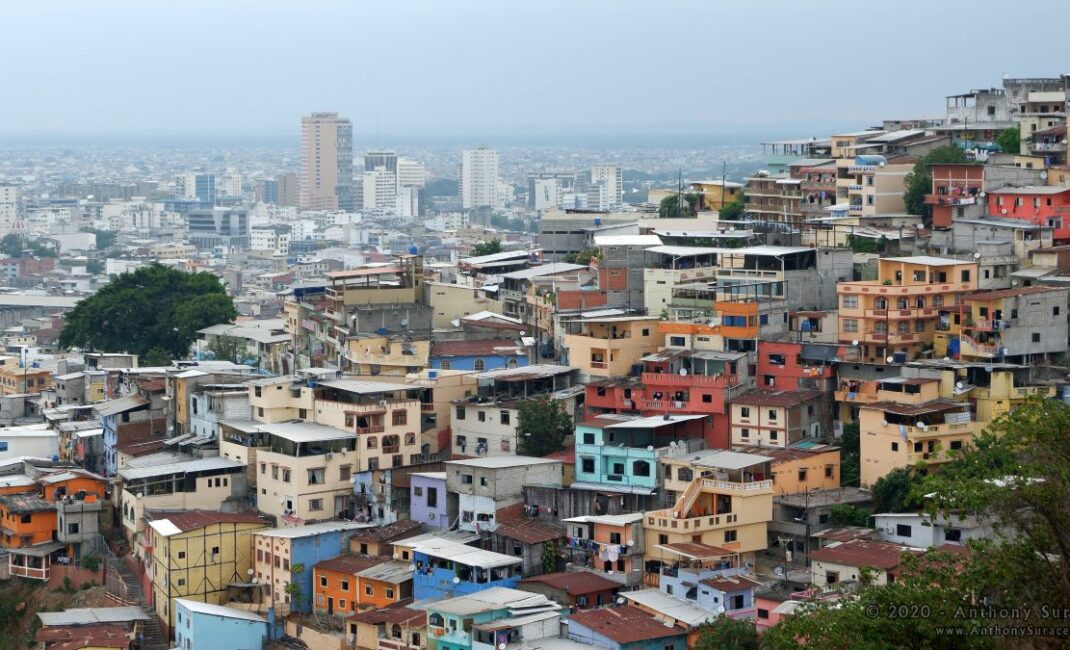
(894,313)
(673,379)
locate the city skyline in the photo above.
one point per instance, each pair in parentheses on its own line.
(497,69)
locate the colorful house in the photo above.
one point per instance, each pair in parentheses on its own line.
(214,627)
(337,589)
(610,545)
(446,568)
(491,618)
(477,355)
(625,628)
(1047,205)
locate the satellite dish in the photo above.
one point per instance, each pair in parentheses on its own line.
(720,609)
(249,572)
(456,580)
(140,495)
(683,372)
(854,342)
(620,601)
(650,447)
(778,571)
(958,385)
(976,256)
(501,646)
(1044,175)
(890,359)
(412,567)
(884,423)
(1003,211)
(631,542)
(397,556)
(981,194)
(919,424)
(673,444)
(568,565)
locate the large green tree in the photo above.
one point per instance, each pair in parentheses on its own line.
(894,492)
(733,210)
(154,307)
(1010,140)
(486,248)
(671,207)
(726,633)
(227,348)
(919,182)
(850,455)
(542,426)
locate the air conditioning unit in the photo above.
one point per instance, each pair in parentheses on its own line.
(382,403)
(329,456)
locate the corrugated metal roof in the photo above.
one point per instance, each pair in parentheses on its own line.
(184,467)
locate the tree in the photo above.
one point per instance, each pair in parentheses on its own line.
(152,308)
(848,515)
(726,633)
(486,248)
(1010,140)
(94,267)
(542,426)
(11,245)
(584,256)
(227,348)
(850,455)
(893,492)
(105,238)
(733,210)
(919,182)
(15,245)
(671,208)
(549,556)
(156,358)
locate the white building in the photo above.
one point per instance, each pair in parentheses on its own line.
(479,178)
(268,238)
(611,177)
(9,206)
(230,183)
(411,173)
(919,530)
(380,189)
(35,440)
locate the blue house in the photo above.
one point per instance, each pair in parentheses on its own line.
(624,628)
(479,355)
(726,591)
(303,547)
(201,626)
(446,568)
(492,618)
(621,452)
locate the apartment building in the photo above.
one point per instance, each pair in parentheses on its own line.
(195,554)
(872,185)
(490,490)
(1018,325)
(1044,205)
(492,617)
(610,546)
(778,418)
(899,314)
(610,346)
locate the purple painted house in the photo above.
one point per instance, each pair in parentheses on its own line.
(428,503)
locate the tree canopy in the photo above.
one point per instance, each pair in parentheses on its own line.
(486,248)
(227,348)
(154,307)
(733,210)
(919,182)
(894,492)
(15,245)
(542,426)
(671,207)
(726,633)
(1010,140)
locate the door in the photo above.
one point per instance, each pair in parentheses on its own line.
(330,605)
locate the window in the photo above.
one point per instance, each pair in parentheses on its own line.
(828,471)
(588,438)
(466,479)
(903,327)
(285,474)
(344,584)
(316,476)
(263,468)
(953,535)
(776,359)
(772,414)
(482,481)
(323,581)
(744,411)
(614,538)
(849,302)
(729,536)
(400,417)
(744,433)
(72,529)
(389,593)
(479,365)
(373,442)
(275,472)
(707,398)
(677,341)
(902,530)
(641,468)
(832,577)
(481,416)
(344,473)
(368,591)
(1036,337)
(341,603)
(444,364)
(460,413)
(503,417)
(587,465)
(182,555)
(432,497)
(1055,310)
(315,505)
(849,325)
(417,491)
(181,582)
(895,446)
(802,473)
(965,275)
(302,414)
(919,326)
(823,518)
(955,445)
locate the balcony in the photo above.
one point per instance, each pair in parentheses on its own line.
(895,314)
(1048,146)
(673,379)
(987,325)
(944,199)
(855,207)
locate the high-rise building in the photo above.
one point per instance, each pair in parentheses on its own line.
(326,162)
(411,173)
(289,190)
(611,177)
(412,176)
(9,206)
(230,183)
(386,159)
(198,186)
(267,191)
(216,227)
(479,178)
(380,189)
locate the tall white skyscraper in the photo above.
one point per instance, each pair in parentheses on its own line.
(611,177)
(479,178)
(380,190)
(411,173)
(9,206)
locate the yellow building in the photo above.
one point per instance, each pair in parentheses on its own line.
(389,356)
(910,303)
(20,381)
(930,416)
(196,553)
(871,189)
(609,347)
(717,193)
(728,504)
(451,302)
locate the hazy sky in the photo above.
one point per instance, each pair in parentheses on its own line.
(459,66)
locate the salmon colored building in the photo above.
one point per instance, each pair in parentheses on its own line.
(1044,205)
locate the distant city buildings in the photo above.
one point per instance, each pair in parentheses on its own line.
(326,162)
(479,178)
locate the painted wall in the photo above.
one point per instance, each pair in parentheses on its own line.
(435,516)
(200,631)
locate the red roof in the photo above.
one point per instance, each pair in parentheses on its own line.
(626,624)
(861,552)
(574,583)
(529,531)
(488,348)
(395,614)
(187,520)
(566,456)
(781,398)
(350,564)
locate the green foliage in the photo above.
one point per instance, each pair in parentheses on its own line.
(867,244)
(68,585)
(88,585)
(105,238)
(894,492)
(15,245)
(542,426)
(850,455)
(549,557)
(486,248)
(91,562)
(156,357)
(1010,140)
(227,348)
(584,256)
(848,515)
(94,267)
(919,182)
(733,210)
(670,207)
(726,633)
(154,308)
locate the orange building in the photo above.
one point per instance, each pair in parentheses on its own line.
(900,313)
(71,483)
(16,484)
(19,381)
(609,543)
(350,583)
(26,520)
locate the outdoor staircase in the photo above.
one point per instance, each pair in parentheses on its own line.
(154,636)
(687,499)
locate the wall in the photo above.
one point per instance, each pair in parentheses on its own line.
(497,430)
(437,516)
(450,302)
(210,632)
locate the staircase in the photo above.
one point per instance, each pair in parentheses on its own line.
(687,499)
(154,637)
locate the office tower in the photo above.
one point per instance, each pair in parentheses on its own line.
(611,177)
(198,186)
(267,191)
(289,190)
(380,190)
(9,206)
(218,227)
(326,162)
(411,173)
(230,183)
(411,180)
(386,159)
(479,178)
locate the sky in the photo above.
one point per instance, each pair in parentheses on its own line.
(472,67)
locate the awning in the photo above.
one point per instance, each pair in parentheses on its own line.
(615,489)
(826,353)
(178,439)
(38,550)
(696,550)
